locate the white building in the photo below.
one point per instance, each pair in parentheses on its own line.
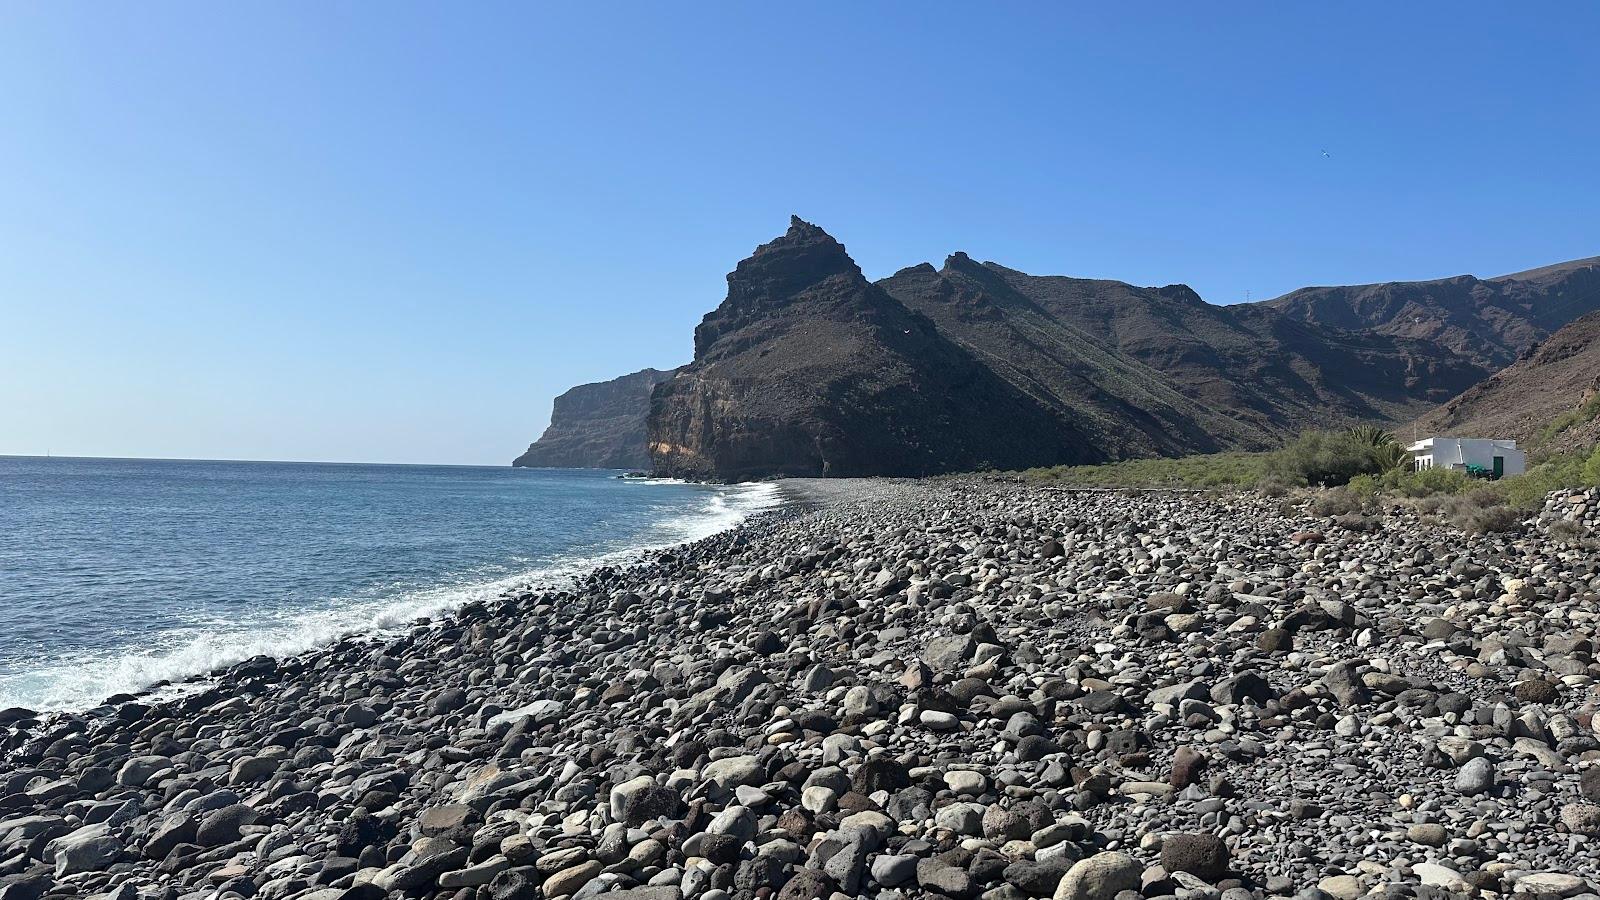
(1494,458)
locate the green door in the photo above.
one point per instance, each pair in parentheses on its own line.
(1499,467)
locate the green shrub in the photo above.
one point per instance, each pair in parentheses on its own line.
(1591,469)
(1356,522)
(1554,474)
(1273,486)
(1428,482)
(1337,501)
(1489,519)
(1483,510)
(1567,531)
(1430,505)
(1325,459)
(1213,470)
(1364,486)
(1586,412)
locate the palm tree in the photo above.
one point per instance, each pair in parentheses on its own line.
(1388,452)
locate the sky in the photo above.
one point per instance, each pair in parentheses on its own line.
(393,232)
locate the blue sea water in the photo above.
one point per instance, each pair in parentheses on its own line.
(118,574)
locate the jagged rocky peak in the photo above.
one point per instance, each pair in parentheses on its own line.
(960,265)
(798,261)
(785,266)
(1181,293)
(807,368)
(959,260)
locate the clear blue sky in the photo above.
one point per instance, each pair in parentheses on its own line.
(393,232)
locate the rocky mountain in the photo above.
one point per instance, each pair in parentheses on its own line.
(1158,371)
(1492,321)
(808,368)
(1557,383)
(598,426)
(1124,406)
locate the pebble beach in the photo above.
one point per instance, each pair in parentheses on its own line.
(960,688)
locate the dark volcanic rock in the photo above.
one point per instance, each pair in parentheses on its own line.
(598,426)
(807,368)
(1204,855)
(627,735)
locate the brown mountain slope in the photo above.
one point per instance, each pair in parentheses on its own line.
(1559,376)
(1128,408)
(1491,320)
(1262,374)
(598,426)
(807,368)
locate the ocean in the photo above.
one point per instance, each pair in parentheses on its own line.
(118,574)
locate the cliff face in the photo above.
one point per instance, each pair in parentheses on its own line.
(598,426)
(1490,320)
(1558,377)
(807,368)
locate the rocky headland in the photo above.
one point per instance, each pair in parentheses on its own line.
(954,689)
(598,426)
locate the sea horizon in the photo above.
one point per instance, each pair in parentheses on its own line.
(312,462)
(126,573)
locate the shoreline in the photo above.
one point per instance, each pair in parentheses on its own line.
(881,687)
(559,572)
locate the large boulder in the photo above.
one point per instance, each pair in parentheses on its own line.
(92,848)
(1100,877)
(1202,855)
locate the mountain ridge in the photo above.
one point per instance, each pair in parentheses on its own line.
(1257,375)
(1490,320)
(1559,377)
(808,368)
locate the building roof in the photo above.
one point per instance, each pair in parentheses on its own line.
(1439,443)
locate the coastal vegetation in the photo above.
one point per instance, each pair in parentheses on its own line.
(1588,412)
(1350,471)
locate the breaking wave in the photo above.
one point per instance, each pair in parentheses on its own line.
(194,646)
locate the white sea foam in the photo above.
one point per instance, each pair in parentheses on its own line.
(82,681)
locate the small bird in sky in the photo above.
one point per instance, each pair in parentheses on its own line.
(1325,154)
